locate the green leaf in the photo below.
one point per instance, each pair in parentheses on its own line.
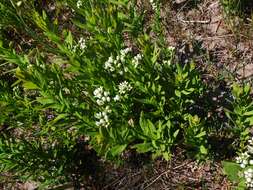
(186,92)
(237,90)
(152,129)
(203,133)
(250,120)
(241,185)
(122,3)
(166,156)
(19,73)
(203,150)
(59,117)
(178,93)
(231,170)
(246,88)
(143,147)
(69,39)
(30,85)
(175,133)
(45,101)
(143,124)
(118,149)
(249,113)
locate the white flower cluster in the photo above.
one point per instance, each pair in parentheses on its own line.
(85,93)
(101,96)
(66,90)
(136,60)
(124,87)
(248,174)
(246,158)
(79,3)
(19,3)
(81,44)
(103,118)
(167,62)
(243,159)
(250,145)
(116,98)
(112,64)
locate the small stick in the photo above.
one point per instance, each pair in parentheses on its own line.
(195,21)
(163,173)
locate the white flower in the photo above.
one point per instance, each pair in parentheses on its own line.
(107,109)
(153,4)
(250,149)
(82,43)
(106,118)
(138,56)
(251,162)
(98,115)
(19,123)
(103,118)
(116,98)
(136,60)
(109,64)
(98,92)
(19,3)
(242,166)
(122,59)
(106,93)
(248,180)
(125,51)
(79,3)
(85,93)
(124,87)
(113,64)
(245,162)
(110,60)
(250,141)
(101,96)
(171,48)
(243,159)
(248,174)
(29,67)
(167,62)
(100,102)
(66,90)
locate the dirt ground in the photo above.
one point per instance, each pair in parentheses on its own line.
(222,45)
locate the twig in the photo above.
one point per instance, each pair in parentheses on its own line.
(218,26)
(114,182)
(62,187)
(163,173)
(217,37)
(119,180)
(195,21)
